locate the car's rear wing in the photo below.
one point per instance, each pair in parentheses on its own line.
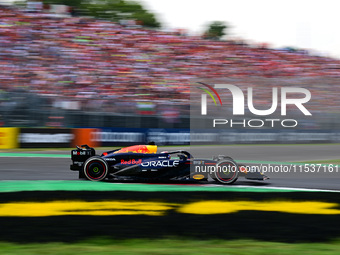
(80,155)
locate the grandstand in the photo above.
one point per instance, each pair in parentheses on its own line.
(76,67)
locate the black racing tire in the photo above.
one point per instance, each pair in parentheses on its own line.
(95,169)
(227,158)
(221,157)
(226,171)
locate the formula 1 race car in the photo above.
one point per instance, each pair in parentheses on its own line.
(143,163)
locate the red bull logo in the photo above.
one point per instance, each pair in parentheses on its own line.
(131,162)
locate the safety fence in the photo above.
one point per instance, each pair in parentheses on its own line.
(13,137)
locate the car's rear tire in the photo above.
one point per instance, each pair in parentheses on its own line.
(226,171)
(95,169)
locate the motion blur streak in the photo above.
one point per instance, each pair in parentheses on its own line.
(219,207)
(58,208)
(110,208)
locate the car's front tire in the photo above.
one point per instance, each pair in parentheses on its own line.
(95,169)
(226,171)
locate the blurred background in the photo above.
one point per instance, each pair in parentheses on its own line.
(109,64)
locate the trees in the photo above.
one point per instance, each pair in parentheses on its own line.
(114,10)
(215,30)
(73,3)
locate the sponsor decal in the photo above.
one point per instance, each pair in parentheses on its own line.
(198,162)
(117,137)
(131,162)
(161,163)
(45,138)
(78,153)
(162,136)
(79,163)
(198,176)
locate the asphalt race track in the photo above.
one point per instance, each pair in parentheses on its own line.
(39,168)
(69,211)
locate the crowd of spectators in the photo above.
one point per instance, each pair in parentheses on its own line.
(73,59)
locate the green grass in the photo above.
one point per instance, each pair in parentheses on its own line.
(170,246)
